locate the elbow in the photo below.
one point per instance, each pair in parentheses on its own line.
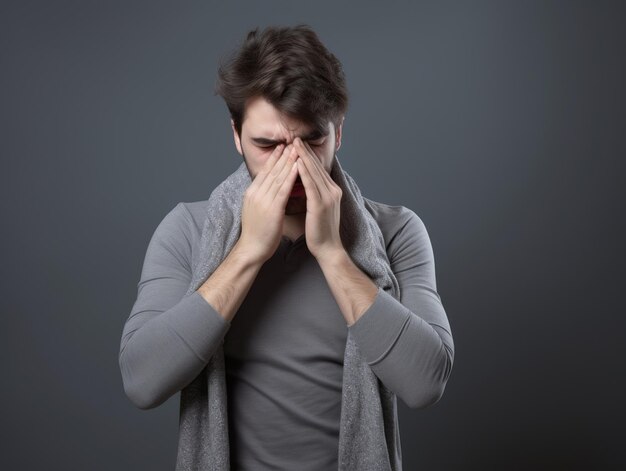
(431,390)
(425,397)
(140,398)
(137,389)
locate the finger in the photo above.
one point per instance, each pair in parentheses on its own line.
(330,183)
(313,166)
(283,192)
(284,175)
(310,187)
(275,170)
(318,172)
(269,164)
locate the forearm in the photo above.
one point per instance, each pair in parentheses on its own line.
(353,290)
(230,283)
(410,356)
(162,352)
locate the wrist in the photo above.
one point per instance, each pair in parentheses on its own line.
(244,254)
(332,257)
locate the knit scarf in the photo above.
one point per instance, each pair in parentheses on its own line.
(369,437)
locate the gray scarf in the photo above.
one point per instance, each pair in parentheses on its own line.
(369,437)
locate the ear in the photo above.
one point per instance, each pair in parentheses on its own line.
(338,134)
(236,137)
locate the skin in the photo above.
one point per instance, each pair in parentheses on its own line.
(263,120)
(317,214)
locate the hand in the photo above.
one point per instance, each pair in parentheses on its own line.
(323,207)
(263,208)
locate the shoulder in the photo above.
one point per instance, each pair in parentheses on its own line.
(180,230)
(187,217)
(401,227)
(195,212)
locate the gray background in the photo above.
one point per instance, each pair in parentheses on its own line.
(501,124)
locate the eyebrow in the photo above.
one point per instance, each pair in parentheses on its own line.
(312,136)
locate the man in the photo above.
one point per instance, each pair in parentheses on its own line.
(288,294)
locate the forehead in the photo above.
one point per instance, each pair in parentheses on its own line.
(263,119)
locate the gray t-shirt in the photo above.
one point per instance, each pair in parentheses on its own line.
(284,348)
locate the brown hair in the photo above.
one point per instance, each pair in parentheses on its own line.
(291,69)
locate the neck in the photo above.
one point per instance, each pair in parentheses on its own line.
(294,225)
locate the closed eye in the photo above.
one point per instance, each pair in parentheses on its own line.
(313,138)
(317,143)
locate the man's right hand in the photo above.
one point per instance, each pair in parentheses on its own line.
(264,203)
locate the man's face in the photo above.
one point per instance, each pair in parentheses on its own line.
(264,128)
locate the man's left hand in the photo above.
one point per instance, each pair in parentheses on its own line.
(323,206)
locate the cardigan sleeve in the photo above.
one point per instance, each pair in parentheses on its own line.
(408,343)
(168,337)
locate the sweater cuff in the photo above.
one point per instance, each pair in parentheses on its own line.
(378,329)
(200,325)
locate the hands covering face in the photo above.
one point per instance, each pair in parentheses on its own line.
(263,206)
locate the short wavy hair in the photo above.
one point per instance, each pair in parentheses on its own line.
(292,70)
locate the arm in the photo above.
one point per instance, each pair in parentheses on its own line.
(408,343)
(169,337)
